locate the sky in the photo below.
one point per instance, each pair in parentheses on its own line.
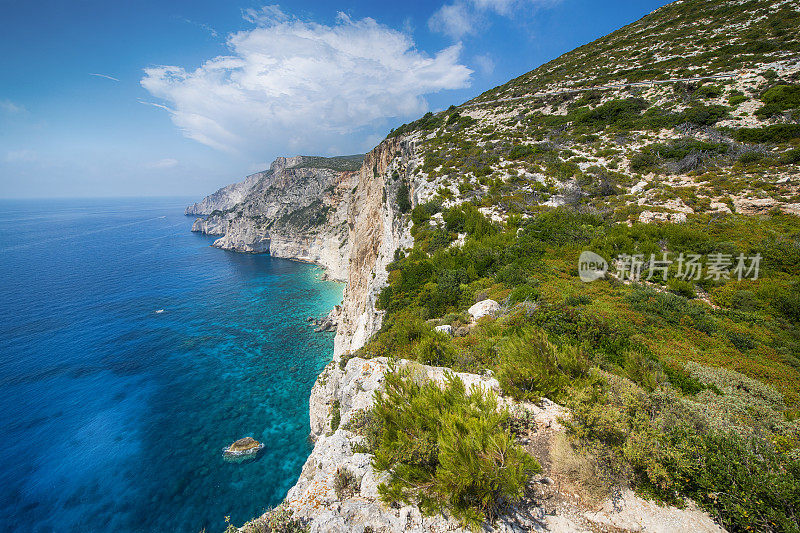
(153,98)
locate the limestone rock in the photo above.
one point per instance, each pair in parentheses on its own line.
(242,449)
(446,328)
(484,308)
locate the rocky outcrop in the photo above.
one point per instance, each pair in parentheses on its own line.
(352,388)
(484,308)
(298,209)
(242,450)
(225,198)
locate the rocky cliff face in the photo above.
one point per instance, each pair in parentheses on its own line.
(314,497)
(298,209)
(376,229)
(321,211)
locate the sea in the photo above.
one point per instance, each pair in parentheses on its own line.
(132,353)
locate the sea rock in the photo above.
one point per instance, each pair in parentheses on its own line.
(242,449)
(484,308)
(446,328)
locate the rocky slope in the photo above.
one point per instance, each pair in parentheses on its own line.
(607,128)
(554,504)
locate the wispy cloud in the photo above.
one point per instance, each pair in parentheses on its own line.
(21,156)
(485,63)
(211,31)
(455,20)
(163,163)
(290,85)
(464,17)
(11,108)
(106,76)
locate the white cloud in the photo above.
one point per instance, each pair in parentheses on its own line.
(463,17)
(7,106)
(292,86)
(455,20)
(163,163)
(106,76)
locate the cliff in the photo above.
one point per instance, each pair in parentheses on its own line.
(557,505)
(632,126)
(298,209)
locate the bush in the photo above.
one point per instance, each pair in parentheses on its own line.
(436,350)
(403,198)
(790,157)
(672,308)
(778,99)
(744,481)
(336,415)
(445,449)
(345,483)
(278,520)
(777,133)
(613,112)
(531,367)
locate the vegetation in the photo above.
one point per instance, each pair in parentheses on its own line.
(635,364)
(278,520)
(446,450)
(678,386)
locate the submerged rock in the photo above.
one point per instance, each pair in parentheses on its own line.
(242,449)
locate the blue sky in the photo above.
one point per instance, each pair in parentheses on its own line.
(105,98)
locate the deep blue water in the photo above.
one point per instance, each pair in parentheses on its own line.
(113,416)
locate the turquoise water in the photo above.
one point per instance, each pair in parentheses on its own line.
(114,416)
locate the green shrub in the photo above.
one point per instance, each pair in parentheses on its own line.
(613,113)
(736,98)
(708,91)
(445,449)
(522,151)
(531,367)
(777,133)
(778,99)
(403,198)
(336,415)
(790,157)
(365,423)
(345,483)
(744,481)
(436,350)
(278,520)
(672,308)
(681,288)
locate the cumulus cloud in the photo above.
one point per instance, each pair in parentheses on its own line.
(295,86)
(463,17)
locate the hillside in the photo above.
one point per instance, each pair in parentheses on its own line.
(671,150)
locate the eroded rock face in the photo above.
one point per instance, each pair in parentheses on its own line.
(298,209)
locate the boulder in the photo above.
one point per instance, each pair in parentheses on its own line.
(445,329)
(484,308)
(242,449)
